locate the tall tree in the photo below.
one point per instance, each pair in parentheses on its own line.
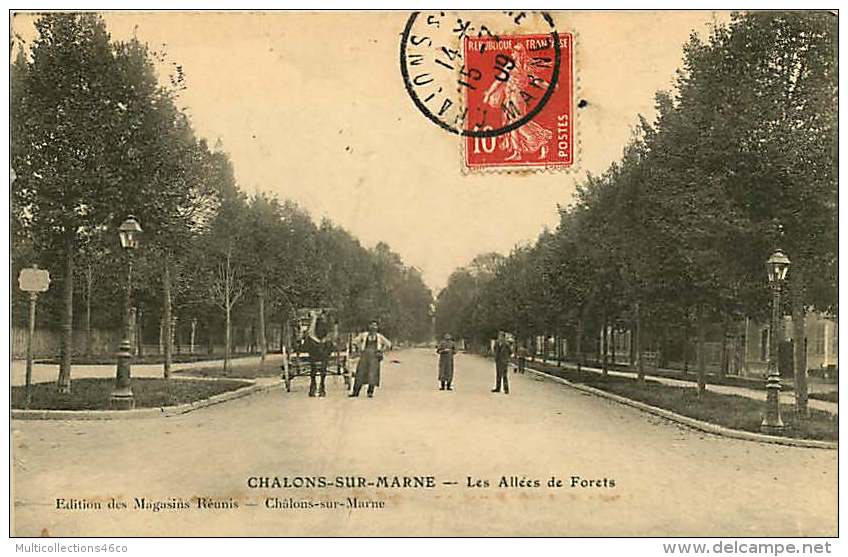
(762,88)
(68,114)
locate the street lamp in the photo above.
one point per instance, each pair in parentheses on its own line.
(128,232)
(122,395)
(777,266)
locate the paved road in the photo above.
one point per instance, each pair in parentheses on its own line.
(669,480)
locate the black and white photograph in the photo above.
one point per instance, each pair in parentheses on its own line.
(424,273)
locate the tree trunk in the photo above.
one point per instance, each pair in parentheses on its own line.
(558,350)
(67,343)
(605,346)
(702,357)
(193,334)
(178,336)
(686,347)
(578,344)
(227,340)
(799,336)
(161,347)
(89,279)
(632,344)
(227,308)
(545,348)
(640,364)
(598,347)
(166,317)
(612,343)
(722,364)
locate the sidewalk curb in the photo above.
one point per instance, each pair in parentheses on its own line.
(692,422)
(661,379)
(146,413)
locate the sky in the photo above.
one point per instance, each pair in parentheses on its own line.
(311,107)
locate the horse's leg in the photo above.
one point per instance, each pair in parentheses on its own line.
(322,391)
(312,364)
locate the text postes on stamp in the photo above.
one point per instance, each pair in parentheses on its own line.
(526,72)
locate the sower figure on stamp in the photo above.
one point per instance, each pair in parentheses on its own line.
(531,137)
(372,345)
(446,350)
(319,345)
(503,351)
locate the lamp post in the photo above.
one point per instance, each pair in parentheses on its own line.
(122,395)
(777,267)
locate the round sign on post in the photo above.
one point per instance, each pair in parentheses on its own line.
(34,280)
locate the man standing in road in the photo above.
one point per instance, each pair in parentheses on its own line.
(503,351)
(446,350)
(371,345)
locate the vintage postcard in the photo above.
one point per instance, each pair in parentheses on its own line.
(424,273)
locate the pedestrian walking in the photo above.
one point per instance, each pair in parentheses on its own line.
(446,350)
(372,345)
(521,354)
(503,351)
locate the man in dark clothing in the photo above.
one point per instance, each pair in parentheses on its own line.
(446,349)
(502,353)
(319,346)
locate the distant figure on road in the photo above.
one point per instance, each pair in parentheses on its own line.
(503,351)
(371,345)
(521,354)
(446,350)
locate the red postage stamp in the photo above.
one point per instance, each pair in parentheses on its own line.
(526,104)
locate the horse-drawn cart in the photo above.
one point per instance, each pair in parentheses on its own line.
(315,348)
